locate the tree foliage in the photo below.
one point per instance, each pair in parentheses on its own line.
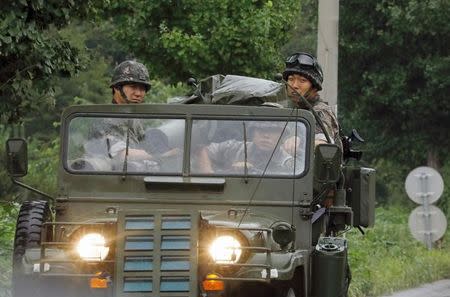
(303,36)
(394,67)
(197,38)
(32,52)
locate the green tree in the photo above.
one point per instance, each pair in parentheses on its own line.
(88,86)
(394,67)
(178,39)
(304,34)
(32,52)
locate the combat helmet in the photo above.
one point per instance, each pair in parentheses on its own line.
(130,72)
(306,65)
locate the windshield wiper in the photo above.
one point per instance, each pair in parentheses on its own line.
(245,154)
(125,158)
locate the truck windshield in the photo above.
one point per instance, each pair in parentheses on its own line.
(99,144)
(247,148)
(222,147)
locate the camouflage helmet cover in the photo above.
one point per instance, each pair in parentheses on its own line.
(130,72)
(306,65)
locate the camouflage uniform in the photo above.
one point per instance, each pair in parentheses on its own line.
(329,121)
(109,137)
(328,118)
(118,133)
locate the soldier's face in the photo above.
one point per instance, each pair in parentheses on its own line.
(266,139)
(298,83)
(135,94)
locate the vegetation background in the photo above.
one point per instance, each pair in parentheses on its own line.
(394,65)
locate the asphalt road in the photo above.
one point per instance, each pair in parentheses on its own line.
(437,289)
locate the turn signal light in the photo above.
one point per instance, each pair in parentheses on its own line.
(98,282)
(212,284)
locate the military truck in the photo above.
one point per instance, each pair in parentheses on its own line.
(190,200)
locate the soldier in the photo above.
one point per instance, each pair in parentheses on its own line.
(129,83)
(116,138)
(304,76)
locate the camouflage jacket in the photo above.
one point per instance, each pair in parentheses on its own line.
(329,121)
(109,136)
(328,117)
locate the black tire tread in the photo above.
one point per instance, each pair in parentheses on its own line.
(31,218)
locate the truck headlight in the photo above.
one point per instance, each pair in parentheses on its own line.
(92,247)
(225,250)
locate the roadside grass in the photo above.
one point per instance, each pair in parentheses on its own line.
(388,259)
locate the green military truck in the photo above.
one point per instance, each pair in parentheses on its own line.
(190,200)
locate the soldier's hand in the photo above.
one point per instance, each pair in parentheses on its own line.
(291,144)
(171,153)
(242,164)
(136,155)
(238,167)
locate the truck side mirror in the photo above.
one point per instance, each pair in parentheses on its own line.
(327,163)
(17,157)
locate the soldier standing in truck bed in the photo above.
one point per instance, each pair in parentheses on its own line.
(304,76)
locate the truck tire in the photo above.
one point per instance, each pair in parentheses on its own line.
(32,216)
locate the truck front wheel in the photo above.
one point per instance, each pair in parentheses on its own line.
(32,216)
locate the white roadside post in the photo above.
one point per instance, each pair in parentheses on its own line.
(427,223)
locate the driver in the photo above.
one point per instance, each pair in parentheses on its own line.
(260,154)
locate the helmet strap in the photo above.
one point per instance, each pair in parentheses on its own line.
(122,93)
(308,93)
(311,95)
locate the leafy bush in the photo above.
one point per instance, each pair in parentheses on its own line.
(43,166)
(43,160)
(8,214)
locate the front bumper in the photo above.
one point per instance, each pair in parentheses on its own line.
(157,253)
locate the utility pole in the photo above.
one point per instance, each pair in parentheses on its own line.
(327,49)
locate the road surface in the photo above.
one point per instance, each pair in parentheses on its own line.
(437,289)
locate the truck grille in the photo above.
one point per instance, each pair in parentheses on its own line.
(157,254)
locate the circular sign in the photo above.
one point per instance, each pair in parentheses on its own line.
(422,223)
(424,183)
